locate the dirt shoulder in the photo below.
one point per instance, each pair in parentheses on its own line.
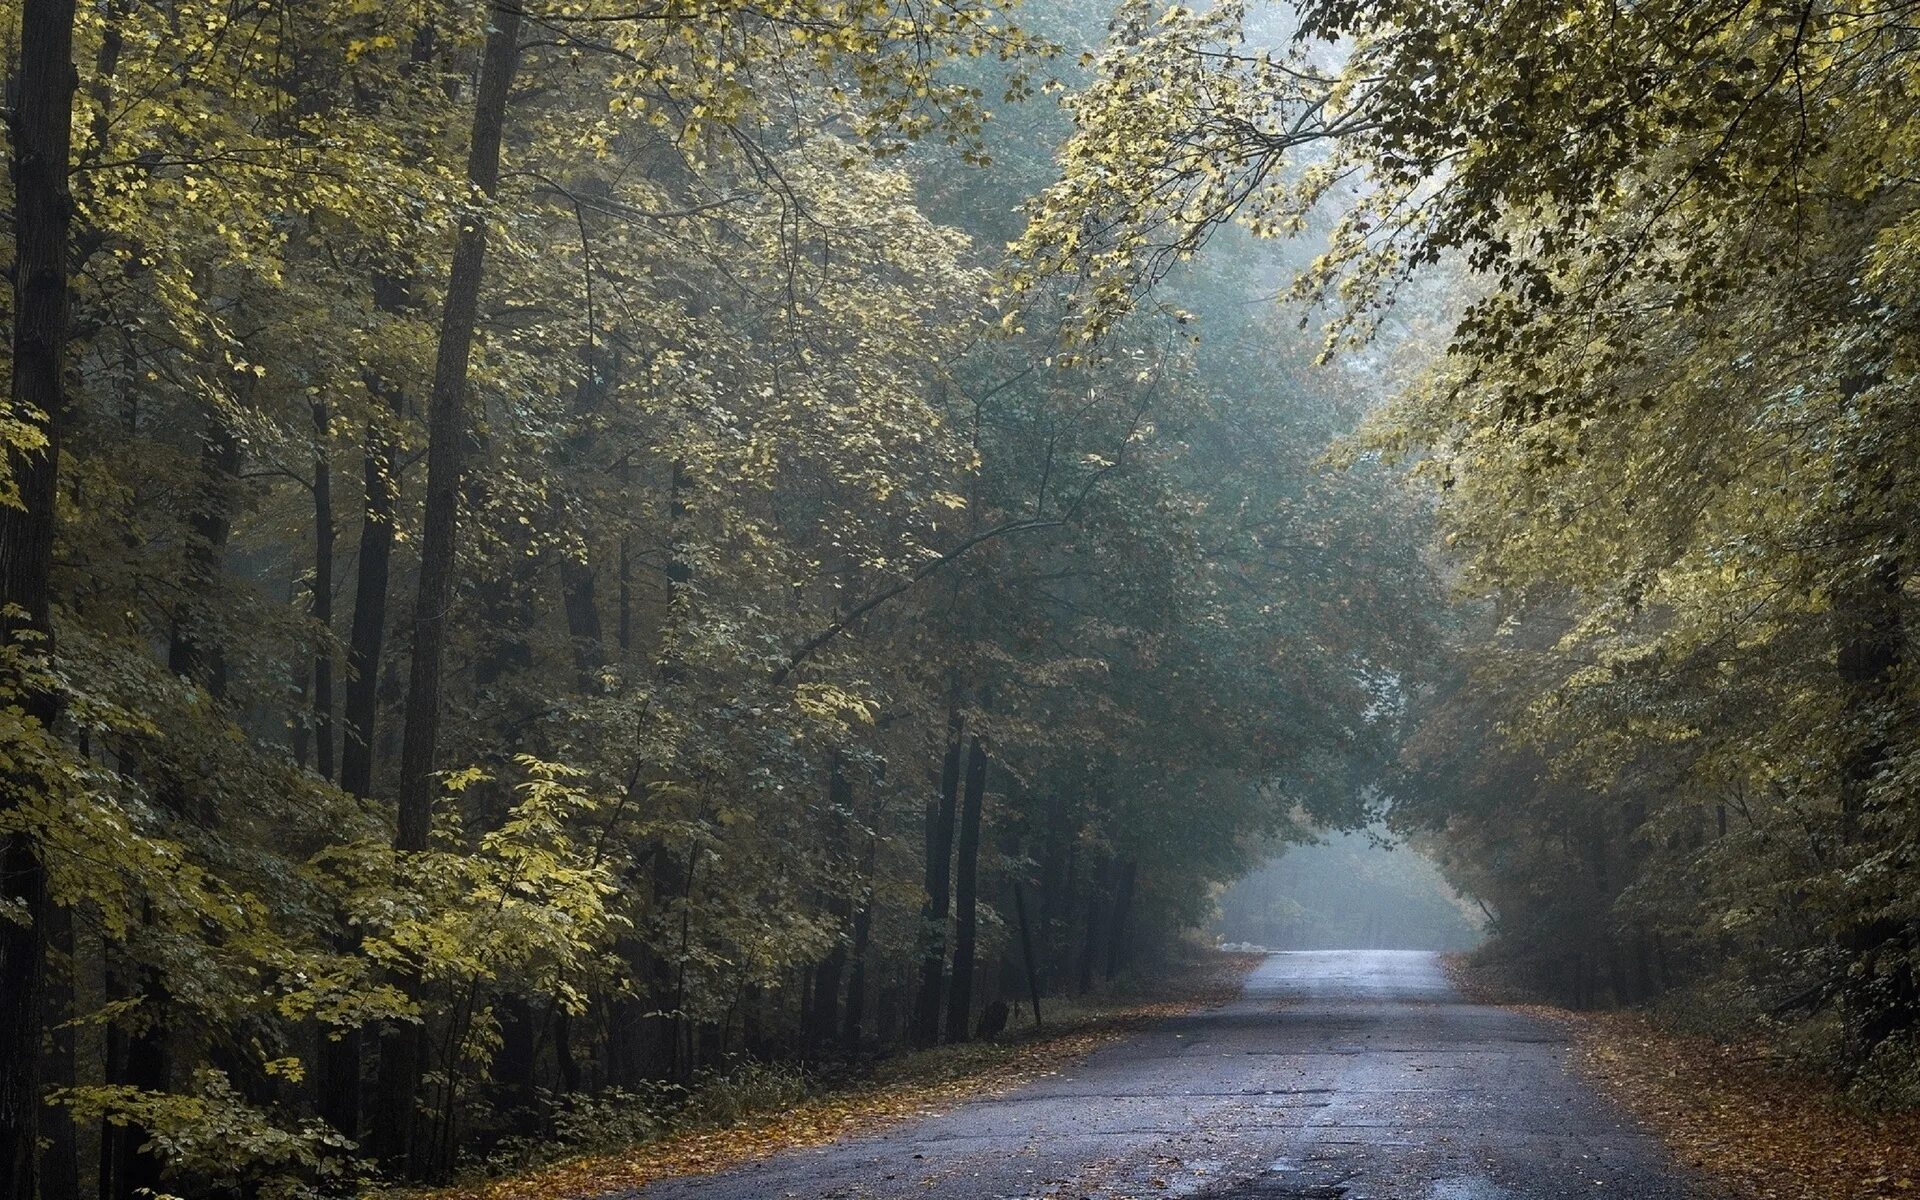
(1734,1113)
(898,1089)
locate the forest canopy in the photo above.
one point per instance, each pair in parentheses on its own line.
(536,577)
(1672,749)
(552,553)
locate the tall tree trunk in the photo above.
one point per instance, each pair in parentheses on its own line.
(447,435)
(933,914)
(367,637)
(339,1067)
(966,896)
(582,606)
(321,607)
(60,1160)
(515,1063)
(572,1080)
(192,653)
(402,1059)
(661,1028)
(42,136)
(1056,884)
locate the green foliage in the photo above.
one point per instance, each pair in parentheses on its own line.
(1668,434)
(760,492)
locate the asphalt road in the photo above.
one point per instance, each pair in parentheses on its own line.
(1351,1075)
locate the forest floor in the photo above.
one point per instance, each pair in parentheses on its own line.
(1736,1113)
(900,1088)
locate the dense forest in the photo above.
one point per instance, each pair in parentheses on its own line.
(538,575)
(1670,747)
(549,553)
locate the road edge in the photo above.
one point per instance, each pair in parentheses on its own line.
(902,1089)
(1737,1117)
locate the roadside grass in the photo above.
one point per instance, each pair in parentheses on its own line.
(1738,1114)
(711,1137)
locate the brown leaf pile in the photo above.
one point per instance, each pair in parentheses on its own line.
(1736,1114)
(912,1086)
(1744,1120)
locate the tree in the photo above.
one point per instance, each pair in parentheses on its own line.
(1666,430)
(41,135)
(401,1052)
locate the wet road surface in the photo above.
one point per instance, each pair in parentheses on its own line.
(1349,1075)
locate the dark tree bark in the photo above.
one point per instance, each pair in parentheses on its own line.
(933,914)
(577,596)
(571,1079)
(321,606)
(191,654)
(42,137)
(339,1067)
(367,638)
(60,1160)
(1026,951)
(658,1028)
(514,1064)
(966,896)
(402,1059)
(447,436)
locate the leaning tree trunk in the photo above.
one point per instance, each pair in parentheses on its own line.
(338,1075)
(402,1059)
(42,137)
(966,896)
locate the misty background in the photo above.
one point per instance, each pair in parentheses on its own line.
(1348,891)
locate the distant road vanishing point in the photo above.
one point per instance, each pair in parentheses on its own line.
(1337,1075)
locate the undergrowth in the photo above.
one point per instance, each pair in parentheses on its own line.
(619,1139)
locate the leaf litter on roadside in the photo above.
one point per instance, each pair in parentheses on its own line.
(898,1090)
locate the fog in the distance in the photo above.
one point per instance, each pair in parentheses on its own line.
(1347,893)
